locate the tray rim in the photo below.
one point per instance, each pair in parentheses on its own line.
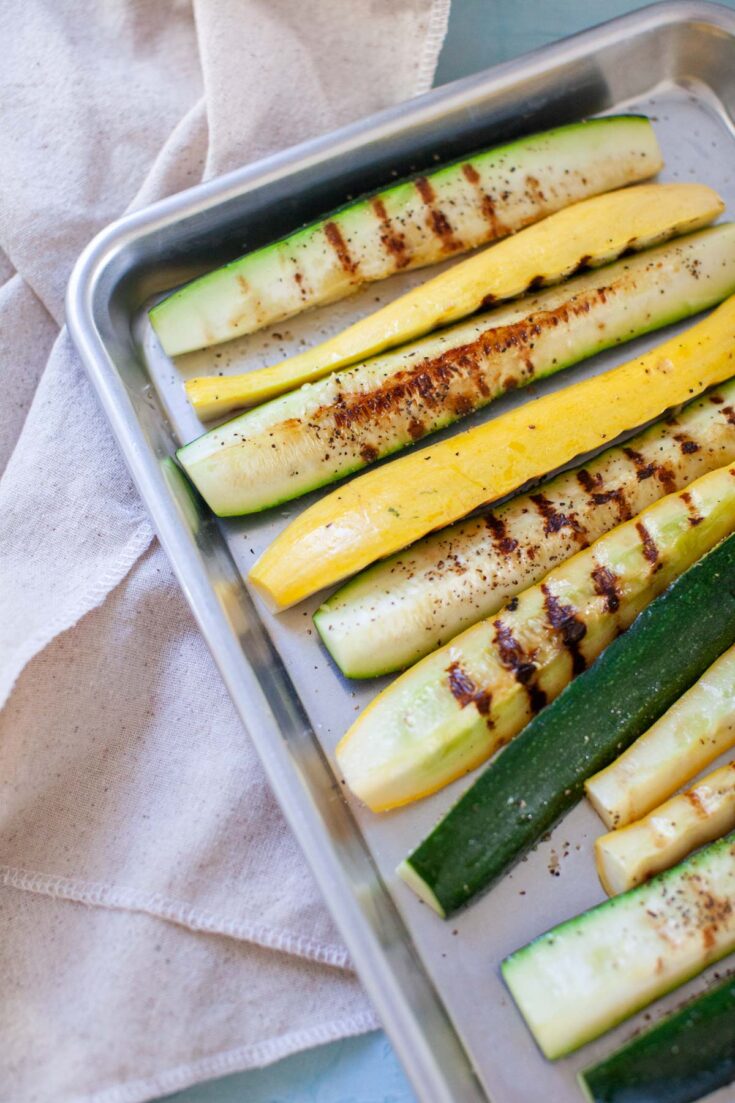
(421,1063)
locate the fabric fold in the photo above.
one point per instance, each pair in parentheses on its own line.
(158,922)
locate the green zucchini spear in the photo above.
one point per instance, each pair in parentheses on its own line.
(592,972)
(411,224)
(686,1055)
(541,775)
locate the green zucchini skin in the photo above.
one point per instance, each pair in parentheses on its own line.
(413,223)
(323,431)
(685,1056)
(541,774)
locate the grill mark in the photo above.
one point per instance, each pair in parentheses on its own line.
(520,664)
(729,414)
(554,519)
(687,445)
(436,219)
(333,235)
(535,192)
(466,692)
(393,241)
(565,620)
(369,453)
(606,585)
(299,281)
(643,470)
(696,802)
(666,477)
(650,550)
(429,382)
(487,206)
(695,517)
(499,531)
(592,485)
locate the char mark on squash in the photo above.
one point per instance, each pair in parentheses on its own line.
(333,235)
(487,203)
(687,445)
(696,802)
(439,382)
(606,584)
(534,191)
(695,517)
(499,532)
(394,242)
(649,547)
(519,663)
(466,692)
(572,629)
(300,283)
(643,470)
(729,414)
(436,219)
(594,487)
(554,519)
(666,477)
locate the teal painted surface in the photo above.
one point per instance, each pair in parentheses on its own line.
(356,1070)
(365,1070)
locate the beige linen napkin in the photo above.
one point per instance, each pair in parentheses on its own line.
(158,924)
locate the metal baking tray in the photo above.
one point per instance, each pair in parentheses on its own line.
(434,984)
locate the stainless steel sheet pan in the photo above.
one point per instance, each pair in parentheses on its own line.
(435,985)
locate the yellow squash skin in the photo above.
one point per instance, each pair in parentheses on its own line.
(592,232)
(388,508)
(706,812)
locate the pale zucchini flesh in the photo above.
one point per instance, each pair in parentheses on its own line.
(635,853)
(593,232)
(389,508)
(403,608)
(588,974)
(687,738)
(412,223)
(338,425)
(455,708)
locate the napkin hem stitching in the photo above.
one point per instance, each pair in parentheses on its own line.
(435,34)
(123,898)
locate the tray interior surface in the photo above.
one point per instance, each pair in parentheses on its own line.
(557,880)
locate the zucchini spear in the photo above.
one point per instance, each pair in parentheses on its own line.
(388,508)
(412,223)
(331,428)
(588,974)
(456,707)
(627,857)
(592,232)
(685,1056)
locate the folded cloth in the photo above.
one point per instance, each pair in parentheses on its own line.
(158,924)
